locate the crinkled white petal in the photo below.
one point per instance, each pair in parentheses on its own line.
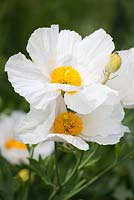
(66,48)
(38,123)
(44,149)
(124,78)
(60,106)
(108,140)
(89,98)
(74,140)
(93,54)
(28,81)
(42,47)
(64,87)
(104,124)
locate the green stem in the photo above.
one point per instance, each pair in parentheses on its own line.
(52,195)
(56,189)
(56,166)
(98,176)
(75,169)
(87,160)
(31,153)
(106,78)
(31,156)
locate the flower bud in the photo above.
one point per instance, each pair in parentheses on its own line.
(24,174)
(114,63)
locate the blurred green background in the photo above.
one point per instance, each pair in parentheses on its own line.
(18,19)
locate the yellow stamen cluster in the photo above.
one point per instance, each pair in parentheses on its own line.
(68,123)
(66,75)
(12,143)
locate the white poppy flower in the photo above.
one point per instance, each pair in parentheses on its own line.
(102,125)
(11,149)
(62,62)
(124,78)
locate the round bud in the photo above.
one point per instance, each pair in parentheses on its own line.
(24,174)
(114,63)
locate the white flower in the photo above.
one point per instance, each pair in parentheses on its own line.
(102,125)
(62,61)
(12,150)
(124,78)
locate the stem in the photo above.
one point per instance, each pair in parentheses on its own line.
(30,173)
(56,189)
(106,78)
(105,171)
(75,169)
(56,166)
(89,157)
(52,195)
(99,175)
(31,156)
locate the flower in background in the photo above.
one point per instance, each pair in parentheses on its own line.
(124,78)
(11,149)
(63,63)
(102,125)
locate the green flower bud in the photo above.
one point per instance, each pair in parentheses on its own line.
(114,63)
(24,174)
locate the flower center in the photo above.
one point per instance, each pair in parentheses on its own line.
(66,75)
(68,123)
(12,143)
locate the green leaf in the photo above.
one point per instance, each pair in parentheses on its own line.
(44,169)
(70,188)
(8,184)
(88,156)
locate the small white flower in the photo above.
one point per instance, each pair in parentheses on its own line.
(102,125)
(62,61)
(12,150)
(124,78)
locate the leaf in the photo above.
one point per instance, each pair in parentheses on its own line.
(44,169)
(87,156)
(70,188)
(8,184)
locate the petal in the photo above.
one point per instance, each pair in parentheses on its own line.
(8,128)
(109,140)
(44,149)
(37,124)
(42,47)
(88,99)
(124,81)
(15,156)
(104,124)
(67,44)
(60,106)
(64,87)
(28,81)
(93,54)
(74,140)
(9,124)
